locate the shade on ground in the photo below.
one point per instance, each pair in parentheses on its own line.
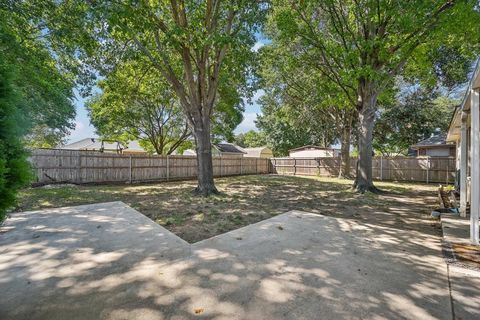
(108,261)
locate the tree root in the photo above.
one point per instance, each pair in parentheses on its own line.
(205,191)
(364,187)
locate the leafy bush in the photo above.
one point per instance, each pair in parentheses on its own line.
(14,168)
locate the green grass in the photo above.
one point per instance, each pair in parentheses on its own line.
(245,200)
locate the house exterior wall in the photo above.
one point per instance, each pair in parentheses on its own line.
(258,153)
(437,152)
(231,154)
(266,154)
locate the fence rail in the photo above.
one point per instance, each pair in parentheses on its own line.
(74,166)
(427,169)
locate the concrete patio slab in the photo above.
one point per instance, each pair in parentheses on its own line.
(464,277)
(54,264)
(293,266)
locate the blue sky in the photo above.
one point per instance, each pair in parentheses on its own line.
(84,129)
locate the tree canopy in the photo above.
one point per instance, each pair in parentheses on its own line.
(415,114)
(36,107)
(251,139)
(362,45)
(135,103)
(197,47)
(318,113)
(46,90)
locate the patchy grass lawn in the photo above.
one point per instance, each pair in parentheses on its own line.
(249,199)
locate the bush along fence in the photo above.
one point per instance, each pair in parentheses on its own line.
(74,166)
(427,169)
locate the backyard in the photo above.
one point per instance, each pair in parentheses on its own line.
(249,199)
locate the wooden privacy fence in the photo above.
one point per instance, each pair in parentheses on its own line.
(428,169)
(74,166)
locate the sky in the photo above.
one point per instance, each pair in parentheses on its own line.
(84,129)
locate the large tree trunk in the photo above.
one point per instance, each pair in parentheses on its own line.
(345,138)
(206,185)
(367,100)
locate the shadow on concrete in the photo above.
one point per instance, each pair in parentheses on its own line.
(108,261)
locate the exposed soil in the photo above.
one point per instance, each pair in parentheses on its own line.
(249,199)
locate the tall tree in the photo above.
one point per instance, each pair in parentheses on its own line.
(251,139)
(136,104)
(370,42)
(14,167)
(194,45)
(46,89)
(34,92)
(415,114)
(286,127)
(289,75)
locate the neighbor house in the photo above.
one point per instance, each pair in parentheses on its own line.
(260,152)
(310,151)
(95,144)
(220,149)
(464,130)
(435,146)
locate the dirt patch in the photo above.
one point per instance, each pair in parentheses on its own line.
(248,199)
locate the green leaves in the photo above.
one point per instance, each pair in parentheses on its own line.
(136,103)
(14,167)
(285,22)
(251,139)
(45,88)
(413,115)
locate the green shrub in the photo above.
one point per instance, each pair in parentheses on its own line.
(15,171)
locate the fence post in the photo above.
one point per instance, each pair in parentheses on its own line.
(79,167)
(241,165)
(221,164)
(381,167)
(428,169)
(168,167)
(256,165)
(294,166)
(130,170)
(448,164)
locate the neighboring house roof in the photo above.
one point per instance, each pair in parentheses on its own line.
(228,148)
(81,144)
(134,146)
(96,144)
(189,152)
(309,147)
(439,140)
(220,147)
(256,152)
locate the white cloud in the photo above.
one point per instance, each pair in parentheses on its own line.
(248,123)
(257,46)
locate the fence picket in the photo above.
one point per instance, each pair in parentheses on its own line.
(74,166)
(432,169)
(94,167)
